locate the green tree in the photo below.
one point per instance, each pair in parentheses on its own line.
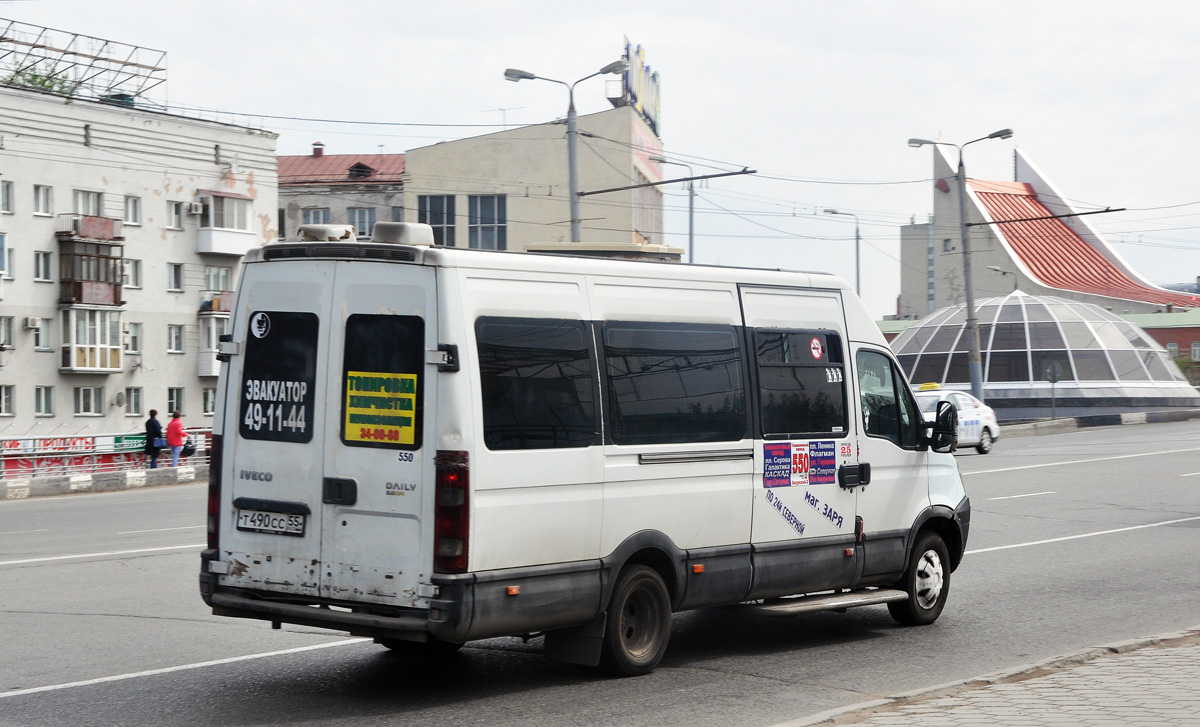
(43,79)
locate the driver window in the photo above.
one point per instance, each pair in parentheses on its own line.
(889,410)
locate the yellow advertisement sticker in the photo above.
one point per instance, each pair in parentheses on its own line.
(381,407)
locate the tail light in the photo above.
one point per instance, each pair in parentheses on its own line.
(214,490)
(452,512)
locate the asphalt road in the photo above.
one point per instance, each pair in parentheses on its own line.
(1078,539)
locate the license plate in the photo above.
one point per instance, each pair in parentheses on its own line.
(279,523)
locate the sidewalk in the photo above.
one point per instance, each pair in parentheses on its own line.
(1153,681)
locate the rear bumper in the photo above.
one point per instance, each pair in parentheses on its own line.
(469,606)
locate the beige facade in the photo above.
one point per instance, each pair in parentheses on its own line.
(528,168)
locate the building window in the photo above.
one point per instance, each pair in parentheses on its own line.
(133,400)
(437,211)
(216,278)
(175,215)
(1173,349)
(41,335)
(397,214)
(89,400)
(175,399)
(43,401)
(91,339)
(229,213)
(211,329)
(132,275)
(133,210)
(1196,350)
(316,216)
(6,258)
(43,266)
(947,246)
(133,338)
(7,392)
(6,197)
(41,200)
(210,401)
(174,338)
(175,277)
(89,203)
(363,219)
(6,332)
(486,223)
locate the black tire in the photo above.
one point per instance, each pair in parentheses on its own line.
(927,582)
(985,442)
(639,623)
(432,649)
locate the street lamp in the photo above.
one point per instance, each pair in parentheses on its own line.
(514,75)
(857,269)
(998,269)
(975,366)
(691,201)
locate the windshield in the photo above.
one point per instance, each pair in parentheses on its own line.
(927,403)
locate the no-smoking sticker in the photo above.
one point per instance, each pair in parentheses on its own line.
(816,347)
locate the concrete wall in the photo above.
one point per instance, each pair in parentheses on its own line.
(119,151)
(338,198)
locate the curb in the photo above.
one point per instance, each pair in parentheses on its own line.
(99,482)
(1004,676)
(1055,426)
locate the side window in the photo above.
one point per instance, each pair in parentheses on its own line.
(674,383)
(538,383)
(888,408)
(383,383)
(801,382)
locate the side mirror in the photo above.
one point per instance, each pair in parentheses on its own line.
(945,428)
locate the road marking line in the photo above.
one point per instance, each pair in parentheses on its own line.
(21,532)
(182,667)
(1081,461)
(160,530)
(1190,474)
(1084,535)
(1029,494)
(97,555)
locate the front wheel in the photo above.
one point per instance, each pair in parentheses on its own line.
(639,623)
(985,442)
(927,582)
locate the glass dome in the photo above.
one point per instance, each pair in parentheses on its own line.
(1020,336)
(1103,360)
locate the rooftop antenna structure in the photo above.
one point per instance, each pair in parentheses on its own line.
(80,66)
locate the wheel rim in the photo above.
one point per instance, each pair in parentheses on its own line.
(641,619)
(985,442)
(929,579)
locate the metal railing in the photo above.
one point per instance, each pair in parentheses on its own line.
(33,456)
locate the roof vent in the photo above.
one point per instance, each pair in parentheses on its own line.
(318,149)
(325,233)
(402,233)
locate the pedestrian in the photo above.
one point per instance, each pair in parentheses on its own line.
(154,433)
(175,437)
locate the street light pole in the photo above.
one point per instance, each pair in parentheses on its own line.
(691,202)
(514,75)
(974,362)
(857,266)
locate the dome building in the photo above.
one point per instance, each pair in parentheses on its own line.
(1103,363)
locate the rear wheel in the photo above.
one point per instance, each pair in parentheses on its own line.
(639,623)
(985,442)
(927,582)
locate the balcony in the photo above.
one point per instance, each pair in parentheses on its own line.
(73,226)
(216,301)
(223,241)
(90,272)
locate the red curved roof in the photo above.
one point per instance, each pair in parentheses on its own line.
(1055,254)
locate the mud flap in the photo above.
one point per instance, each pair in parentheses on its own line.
(577,645)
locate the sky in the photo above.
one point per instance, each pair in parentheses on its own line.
(819,98)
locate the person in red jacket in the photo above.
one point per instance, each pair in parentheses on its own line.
(175,437)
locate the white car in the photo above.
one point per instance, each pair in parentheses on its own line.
(977,425)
